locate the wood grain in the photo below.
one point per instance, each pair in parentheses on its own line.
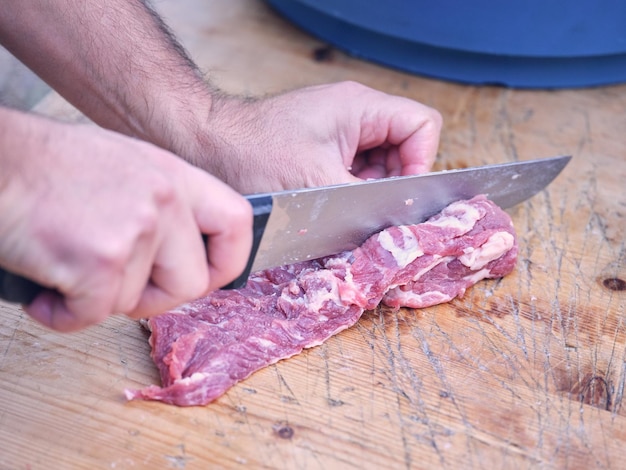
(523,372)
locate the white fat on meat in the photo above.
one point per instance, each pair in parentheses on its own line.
(276,316)
(493,248)
(463,223)
(406,254)
(426,269)
(408,298)
(436,261)
(478,276)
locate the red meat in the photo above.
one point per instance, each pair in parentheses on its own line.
(205,347)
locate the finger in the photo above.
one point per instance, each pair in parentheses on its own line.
(371,164)
(184,269)
(43,309)
(393,162)
(109,284)
(136,273)
(417,152)
(413,128)
(378,163)
(51,310)
(178,270)
(179,274)
(229,240)
(80,294)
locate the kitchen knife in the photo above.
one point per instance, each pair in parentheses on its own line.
(298,225)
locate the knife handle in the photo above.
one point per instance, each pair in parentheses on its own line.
(18,289)
(262,208)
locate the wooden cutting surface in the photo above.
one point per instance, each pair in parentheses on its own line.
(525,372)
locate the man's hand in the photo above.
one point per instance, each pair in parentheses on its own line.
(112,224)
(316,136)
(129,74)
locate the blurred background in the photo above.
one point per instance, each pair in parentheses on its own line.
(19,87)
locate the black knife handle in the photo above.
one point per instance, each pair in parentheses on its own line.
(18,289)
(262,208)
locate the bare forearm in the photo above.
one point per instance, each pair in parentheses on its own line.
(116,62)
(113,60)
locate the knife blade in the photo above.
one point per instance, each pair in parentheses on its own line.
(298,225)
(311,223)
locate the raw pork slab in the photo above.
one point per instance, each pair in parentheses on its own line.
(205,347)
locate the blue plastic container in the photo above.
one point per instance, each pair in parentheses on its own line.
(528,43)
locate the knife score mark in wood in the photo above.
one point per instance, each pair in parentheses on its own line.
(524,345)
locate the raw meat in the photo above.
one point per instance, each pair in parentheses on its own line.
(205,347)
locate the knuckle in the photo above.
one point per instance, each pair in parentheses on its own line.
(426,119)
(114,251)
(198,287)
(164,189)
(113,254)
(146,220)
(160,184)
(436,118)
(351,86)
(193,287)
(244,212)
(240,213)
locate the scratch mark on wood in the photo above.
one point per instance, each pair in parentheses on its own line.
(399,368)
(619,390)
(291,397)
(330,400)
(9,343)
(180,460)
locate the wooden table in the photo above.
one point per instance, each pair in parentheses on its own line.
(525,372)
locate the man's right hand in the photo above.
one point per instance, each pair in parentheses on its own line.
(111,224)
